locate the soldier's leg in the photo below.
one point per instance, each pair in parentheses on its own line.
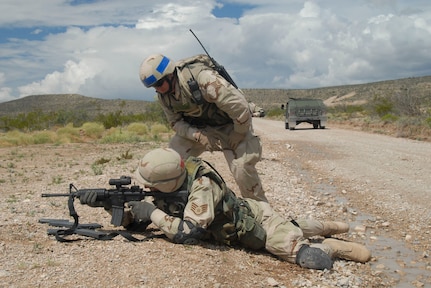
(286,240)
(242,163)
(311,227)
(346,250)
(186,147)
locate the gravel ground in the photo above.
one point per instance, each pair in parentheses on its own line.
(306,173)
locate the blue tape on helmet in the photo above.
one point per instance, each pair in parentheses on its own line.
(149,81)
(163,64)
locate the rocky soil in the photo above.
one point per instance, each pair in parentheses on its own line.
(306,173)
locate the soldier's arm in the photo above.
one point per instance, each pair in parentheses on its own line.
(198,213)
(229,99)
(175,120)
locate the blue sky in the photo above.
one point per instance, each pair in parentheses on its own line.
(95,48)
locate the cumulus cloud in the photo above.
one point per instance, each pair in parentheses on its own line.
(70,80)
(4,91)
(298,44)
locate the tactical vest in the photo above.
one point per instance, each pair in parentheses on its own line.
(194,108)
(234,221)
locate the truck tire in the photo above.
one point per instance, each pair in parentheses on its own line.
(286,125)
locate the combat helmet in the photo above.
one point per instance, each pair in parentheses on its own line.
(154,68)
(162,169)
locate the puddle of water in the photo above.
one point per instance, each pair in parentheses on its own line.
(402,266)
(394,260)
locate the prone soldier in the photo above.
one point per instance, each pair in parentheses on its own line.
(214,212)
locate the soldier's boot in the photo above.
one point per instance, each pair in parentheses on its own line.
(348,250)
(334,227)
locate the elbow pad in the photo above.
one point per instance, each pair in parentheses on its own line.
(188,233)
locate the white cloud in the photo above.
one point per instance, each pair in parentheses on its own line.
(4,91)
(310,9)
(70,80)
(295,44)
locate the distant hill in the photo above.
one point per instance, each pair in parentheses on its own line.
(346,94)
(267,98)
(68,102)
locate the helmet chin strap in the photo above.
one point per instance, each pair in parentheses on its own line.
(171,83)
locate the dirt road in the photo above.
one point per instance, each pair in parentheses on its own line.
(386,181)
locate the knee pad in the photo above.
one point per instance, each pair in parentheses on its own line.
(313,258)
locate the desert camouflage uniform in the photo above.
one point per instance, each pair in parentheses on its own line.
(283,237)
(224,109)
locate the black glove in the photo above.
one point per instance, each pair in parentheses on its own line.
(90,198)
(141,211)
(138,226)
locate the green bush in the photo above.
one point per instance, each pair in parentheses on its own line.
(43,137)
(389,118)
(382,106)
(15,138)
(93,130)
(68,130)
(117,135)
(138,128)
(276,113)
(158,129)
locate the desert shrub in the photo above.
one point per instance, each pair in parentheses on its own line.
(382,106)
(276,113)
(43,137)
(93,130)
(389,118)
(68,130)
(138,128)
(118,135)
(159,128)
(68,134)
(15,138)
(407,104)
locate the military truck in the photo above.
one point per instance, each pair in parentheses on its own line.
(298,110)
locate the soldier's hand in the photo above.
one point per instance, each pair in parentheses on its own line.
(90,198)
(235,138)
(209,142)
(141,211)
(201,138)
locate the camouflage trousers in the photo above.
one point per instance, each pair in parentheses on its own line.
(241,161)
(283,238)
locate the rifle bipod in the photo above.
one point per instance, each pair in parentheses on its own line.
(88,230)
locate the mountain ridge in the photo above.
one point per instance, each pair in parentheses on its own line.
(267,98)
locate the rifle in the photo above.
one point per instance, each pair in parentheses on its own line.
(219,68)
(118,196)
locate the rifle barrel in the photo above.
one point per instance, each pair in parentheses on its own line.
(56,195)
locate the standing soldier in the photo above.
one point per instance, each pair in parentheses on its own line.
(208,114)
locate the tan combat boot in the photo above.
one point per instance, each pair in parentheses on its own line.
(348,250)
(334,227)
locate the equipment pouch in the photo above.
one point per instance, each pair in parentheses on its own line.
(250,233)
(195,91)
